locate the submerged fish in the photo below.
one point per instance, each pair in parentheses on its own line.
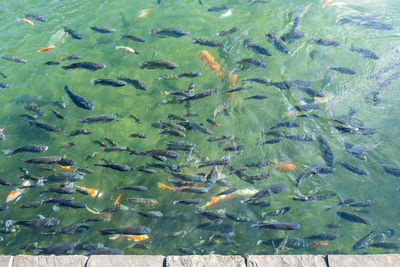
(102,29)
(277,42)
(73,33)
(169,32)
(29,149)
(108,82)
(158,64)
(352,217)
(277,226)
(78,100)
(99,118)
(42,222)
(92,66)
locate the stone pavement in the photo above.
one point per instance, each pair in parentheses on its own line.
(386,260)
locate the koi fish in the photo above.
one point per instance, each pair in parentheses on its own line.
(337,4)
(27,21)
(227,13)
(14,194)
(164,186)
(319,243)
(90,191)
(129,49)
(215,199)
(206,56)
(284,166)
(132,237)
(118,198)
(46,48)
(232,80)
(64,167)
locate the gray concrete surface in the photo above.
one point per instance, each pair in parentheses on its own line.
(125,261)
(205,261)
(57,261)
(286,260)
(384,260)
(6,261)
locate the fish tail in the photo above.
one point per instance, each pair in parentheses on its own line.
(93,82)
(8,152)
(30,123)
(167,93)
(66,67)
(195,41)
(175,202)
(37,251)
(142,65)
(161,185)
(10,223)
(152,32)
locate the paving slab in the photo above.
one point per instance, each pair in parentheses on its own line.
(126,260)
(386,260)
(285,261)
(6,261)
(205,261)
(46,261)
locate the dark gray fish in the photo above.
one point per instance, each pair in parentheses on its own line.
(5,182)
(386,245)
(301,137)
(133,38)
(130,230)
(170,167)
(73,33)
(108,82)
(14,59)
(291,84)
(59,104)
(73,204)
(217,162)
(36,17)
(195,125)
(62,177)
(353,168)
(277,42)
(195,190)
(57,114)
(188,201)
(391,171)
(188,177)
(29,149)
(324,236)
(344,70)
(359,150)
(344,201)
(138,135)
(89,246)
(148,213)
(314,169)
(385,69)
(43,160)
(365,203)
(277,212)
(382,237)
(92,66)
(102,29)
(70,229)
(63,248)
(45,126)
(353,130)
(118,167)
(257,97)
(257,48)
(99,118)
(42,222)
(271,141)
(267,191)
(199,95)
(263,81)
(218,8)
(3,207)
(103,251)
(51,63)
(278,226)
(34,108)
(287,124)
(352,217)
(364,52)
(311,116)
(211,43)
(326,151)
(246,63)
(212,215)
(165,153)
(311,92)
(234,148)
(241,87)
(293,243)
(133,187)
(72,57)
(324,42)
(308,107)
(58,190)
(261,203)
(158,64)
(169,32)
(226,32)
(292,36)
(180,145)
(3,75)
(78,132)
(137,84)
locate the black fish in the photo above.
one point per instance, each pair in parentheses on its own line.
(311,92)
(45,126)
(5,182)
(62,177)
(99,118)
(344,70)
(78,132)
(218,8)
(217,162)
(353,168)
(352,217)
(118,167)
(92,66)
(169,32)
(133,187)
(277,42)
(57,114)
(386,245)
(343,201)
(108,82)
(362,243)
(258,97)
(326,151)
(364,52)
(42,222)
(59,190)
(51,63)
(226,32)
(78,100)
(291,84)
(212,43)
(130,230)
(73,34)
(29,149)
(70,229)
(137,84)
(102,29)
(324,42)
(199,95)
(73,204)
(2,75)
(307,107)
(246,63)
(292,36)
(314,169)
(194,125)
(212,215)
(34,108)
(133,38)
(287,124)
(278,226)
(391,171)
(271,141)
(15,59)
(188,201)
(300,137)
(36,17)
(257,48)
(63,248)
(72,57)
(365,203)
(267,191)
(158,64)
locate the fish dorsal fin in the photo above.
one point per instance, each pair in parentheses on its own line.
(41,217)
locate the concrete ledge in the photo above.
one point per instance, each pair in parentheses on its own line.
(125,260)
(6,261)
(286,260)
(387,260)
(58,261)
(205,261)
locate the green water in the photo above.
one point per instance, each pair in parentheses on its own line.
(33,83)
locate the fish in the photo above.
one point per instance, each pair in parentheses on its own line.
(344,201)
(311,92)
(99,118)
(51,63)
(45,126)
(158,64)
(195,190)
(102,29)
(217,162)
(4,85)
(344,70)
(92,66)
(277,43)
(62,177)
(382,237)
(199,95)
(392,171)
(118,167)
(15,59)
(386,245)
(3,75)
(278,226)
(314,169)
(359,150)
(287,124)
(108,82)
(324,42)
(78,100)
(58,190)
(74,35)
(365,203)
(292,36)
(364,52)
(78,132)
(308,107)
(72,57)
(294,243)
(211,43)
(352,217)
(36,17)
(133,38)
(42,222)
(277,212)
(267,191)
(128,49)
(5,182)
(143,201)
(34,108)
(148,213)
(212,215)
(133,187)
(169,32)
(27,21)
(62,248)
(353,168)
(129,230)
(57,114)
(324,236)
(271,141)
(257,48)
(137,84)
(194,125)
(70,229)
(217,8)
(193,201)
(229,31)
(46,48)
(29,149)
(13,195)
(225,105)
(246,63)
(326,151)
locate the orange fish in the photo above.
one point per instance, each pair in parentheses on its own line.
(91,191)
(27,21)
(319,243)
(284,166)
(46,48)
(216,198)
(14,194)
(206,56)
(232,80)
(337,4)
(138,237)
(118,198)
(64,167)
(164,186)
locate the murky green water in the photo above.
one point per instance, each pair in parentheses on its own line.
(33,83)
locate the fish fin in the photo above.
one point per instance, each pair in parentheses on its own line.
(9,223)
(37,251)
(194,41)
(41,217)
(93,82)
(8,152)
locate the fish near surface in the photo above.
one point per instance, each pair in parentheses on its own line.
(158,64)
(78,100)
